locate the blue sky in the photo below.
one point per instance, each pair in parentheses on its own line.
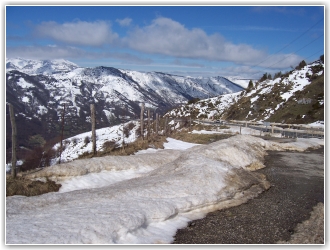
(244,41)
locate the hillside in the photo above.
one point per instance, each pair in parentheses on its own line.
(296,97)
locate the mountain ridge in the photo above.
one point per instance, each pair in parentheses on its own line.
(41,89)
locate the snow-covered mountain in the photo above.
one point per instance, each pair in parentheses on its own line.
(40,90)
(35,67)
(295,97)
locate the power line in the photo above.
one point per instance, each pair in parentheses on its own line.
(290,54)
(295,52)
(314,53)
(289,43)
(299,36)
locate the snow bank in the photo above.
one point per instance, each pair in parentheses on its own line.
(170,144)
(179,186)
(109,163)
(301,144)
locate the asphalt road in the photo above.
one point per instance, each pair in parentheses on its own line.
(297,185)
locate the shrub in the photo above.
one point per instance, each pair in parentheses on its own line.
(250,86)
(317,69)
(33,160)
(87,140)
(26,187)
(108,146)
(301,65)
(128,128)
(194,100)
(74,141)
(36,141)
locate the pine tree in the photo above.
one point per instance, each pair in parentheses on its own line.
(250,86)
(301,65)
(263,78)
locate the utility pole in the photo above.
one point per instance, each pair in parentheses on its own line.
(13,140)
(93,129)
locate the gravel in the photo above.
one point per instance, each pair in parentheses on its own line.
(290,212)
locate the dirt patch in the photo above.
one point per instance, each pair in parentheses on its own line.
(26,187)
(310,231)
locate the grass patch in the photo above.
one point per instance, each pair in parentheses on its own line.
(131,148)
(200,138)
(26,187)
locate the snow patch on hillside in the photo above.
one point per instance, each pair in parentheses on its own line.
(80,144)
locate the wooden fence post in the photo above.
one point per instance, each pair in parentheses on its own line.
(165,125)
(190,124)
(123,142)
(148,129)
(93,129)
(142,120)
(13,140)
(157,118)
(62,129)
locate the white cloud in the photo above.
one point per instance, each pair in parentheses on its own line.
(70,52)
(80,33)
(124,22)
(168,37)
(45,52)
(281,61)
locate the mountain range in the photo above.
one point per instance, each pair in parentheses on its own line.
(42,91)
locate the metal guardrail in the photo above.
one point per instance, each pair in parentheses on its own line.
(286,130)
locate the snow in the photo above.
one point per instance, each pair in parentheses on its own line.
(25,99)
(23,84)
(140,199)
(34,67)
(177,144)
(318,124)
(80,144)
(8,165)
(42,110)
